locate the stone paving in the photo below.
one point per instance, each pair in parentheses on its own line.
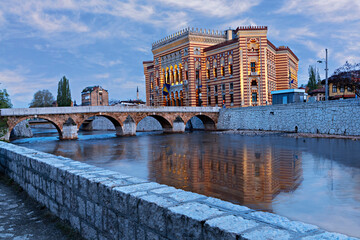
(21,218)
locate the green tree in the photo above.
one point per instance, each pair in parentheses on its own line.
(4,99)
(312,83)
(42,98)
(64,94)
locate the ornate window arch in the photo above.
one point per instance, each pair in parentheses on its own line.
(176,75)
(215,68)
(171,75)
(197,70)
(180,73)
(230,63)
(222,66)
(208,69)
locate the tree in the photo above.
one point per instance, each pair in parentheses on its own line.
(64,94)
(42,98)
(4,99)
(312,83)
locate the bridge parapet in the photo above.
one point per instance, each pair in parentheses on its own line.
(103,109)
(68,120)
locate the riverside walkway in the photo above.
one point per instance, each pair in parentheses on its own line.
(21,218)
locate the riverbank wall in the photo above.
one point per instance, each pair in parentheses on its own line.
(102,204)
(333,117)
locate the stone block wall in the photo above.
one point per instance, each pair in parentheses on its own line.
(103,204)
(333,117)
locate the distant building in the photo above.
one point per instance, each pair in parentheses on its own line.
(340,91)
(343,85)
(235,68)
(94,96)
(132,103)
(318,94)
(288,96)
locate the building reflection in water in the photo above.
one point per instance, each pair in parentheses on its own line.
(249,174)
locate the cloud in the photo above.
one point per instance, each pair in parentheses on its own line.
(50,23)
(324,10)
(238,22)
(102,75)
(14,81)
(2,19)
(216,8)
(300,33)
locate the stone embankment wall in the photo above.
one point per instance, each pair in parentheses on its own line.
(333,117)
(103,204)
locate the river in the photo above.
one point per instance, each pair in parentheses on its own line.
(312,180)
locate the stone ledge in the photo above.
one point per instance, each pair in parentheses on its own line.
(102,204)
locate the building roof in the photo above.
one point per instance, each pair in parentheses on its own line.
(92,88)
(281,48)
(319,90)
(223,44)
(295,90)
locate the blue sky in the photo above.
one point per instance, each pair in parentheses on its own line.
(103,42)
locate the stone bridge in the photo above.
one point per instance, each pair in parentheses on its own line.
(68,120)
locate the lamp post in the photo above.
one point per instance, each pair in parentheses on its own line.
(326,75)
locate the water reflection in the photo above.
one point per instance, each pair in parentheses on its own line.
(243,173)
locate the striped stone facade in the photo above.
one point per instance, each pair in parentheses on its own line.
(235,68)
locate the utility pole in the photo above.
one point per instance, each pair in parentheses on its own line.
(326,76)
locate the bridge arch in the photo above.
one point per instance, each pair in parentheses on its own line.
(165,123)
(19,120)
(209,123)
(117,123)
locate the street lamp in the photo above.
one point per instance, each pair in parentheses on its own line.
(326,75)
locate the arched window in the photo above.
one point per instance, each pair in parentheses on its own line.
(222,66)
(167,76)
(215,68)
(230,62)
(164,75)
(208,70)
(253,66)
(253,83)
(157,78)
(254,97)
(180,73)
(181,98)
(186,71)
(151,80)
(171,75)
(334,88)
(197,70)
(176,75)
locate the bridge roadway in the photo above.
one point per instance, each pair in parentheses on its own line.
(68,120)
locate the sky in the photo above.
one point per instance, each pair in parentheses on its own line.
(104,42)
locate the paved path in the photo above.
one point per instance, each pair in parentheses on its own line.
(21,218)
